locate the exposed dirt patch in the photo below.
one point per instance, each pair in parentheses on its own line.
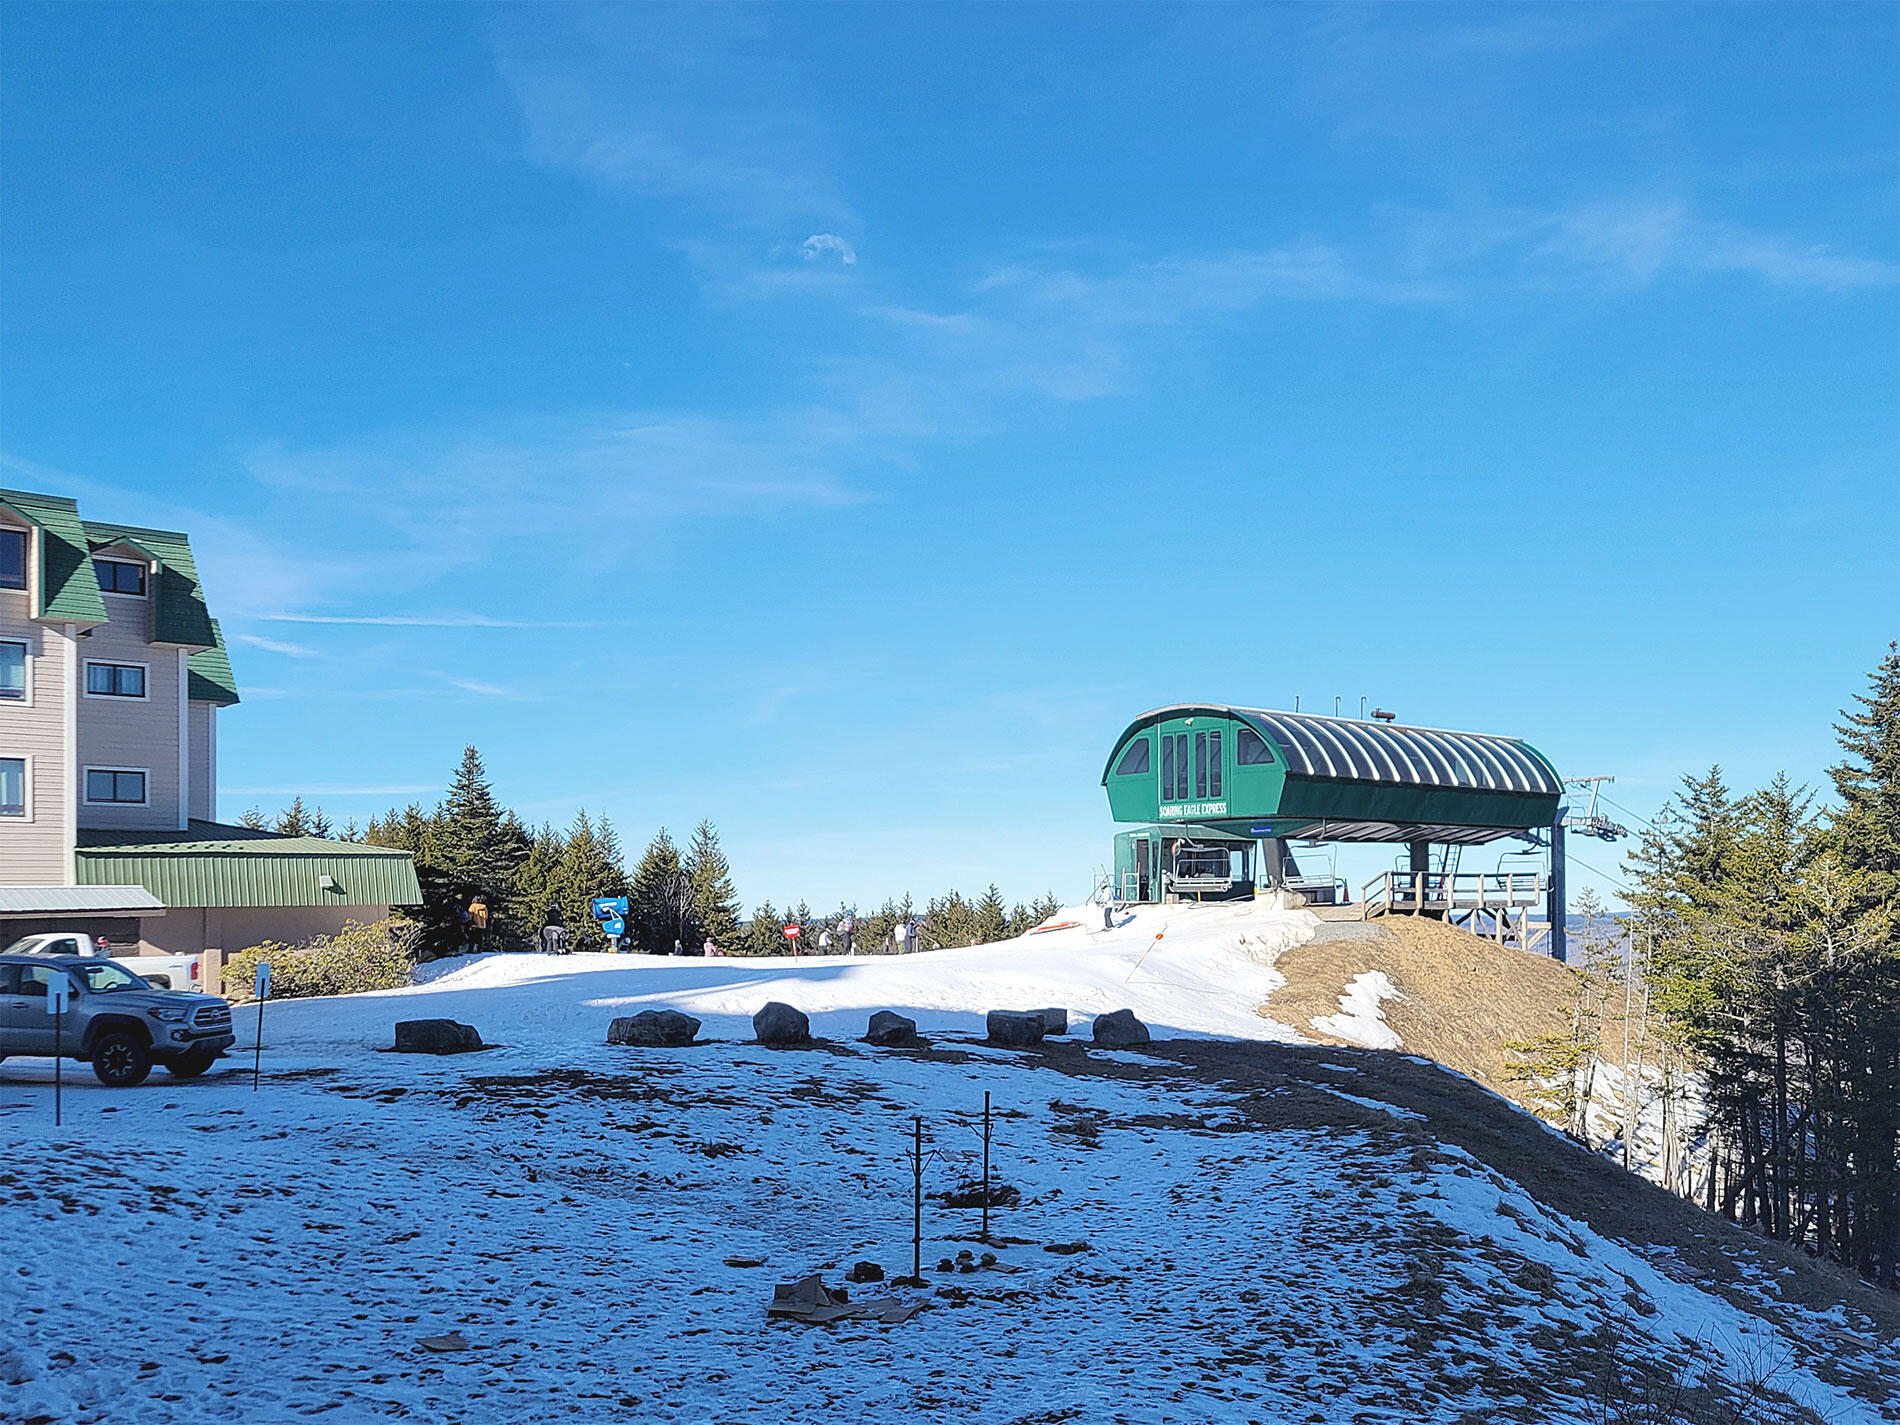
(1464,999)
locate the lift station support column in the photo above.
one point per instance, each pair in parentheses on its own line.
(1556,911)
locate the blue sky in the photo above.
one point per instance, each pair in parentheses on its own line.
(839,421)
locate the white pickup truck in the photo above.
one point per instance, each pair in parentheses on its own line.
(167,972)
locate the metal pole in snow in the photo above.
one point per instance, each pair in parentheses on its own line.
(263,993)
(917,1200)
(59,1019)
(986,1167)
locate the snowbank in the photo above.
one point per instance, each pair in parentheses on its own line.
(1184,970)
(1360,1020)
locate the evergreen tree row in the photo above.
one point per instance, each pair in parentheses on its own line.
(1769,936)
(471,847)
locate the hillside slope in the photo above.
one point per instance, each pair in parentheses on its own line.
(1273,1232)
(1460,1000)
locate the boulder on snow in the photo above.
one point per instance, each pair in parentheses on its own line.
(889,1028)
(780,1024)
(654,1028)
(1054,1021)
(1120,1030)
(436,1036)
(1014,1030)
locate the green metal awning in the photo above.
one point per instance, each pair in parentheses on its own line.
(212,864)
(1266,773)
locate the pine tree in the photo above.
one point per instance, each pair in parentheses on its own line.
(764,933)
(990,920)
(715,914)
(661,897)
(1865,833)
(534,888)
(472,842)
(589,866)
(299,820)
(253,818)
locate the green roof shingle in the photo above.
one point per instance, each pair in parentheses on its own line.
(69,589)
(179,614)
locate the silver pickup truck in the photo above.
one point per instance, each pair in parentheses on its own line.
(114,1020)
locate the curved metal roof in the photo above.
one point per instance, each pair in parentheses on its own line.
(1353,750)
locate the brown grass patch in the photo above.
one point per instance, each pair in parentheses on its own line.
(1465,999)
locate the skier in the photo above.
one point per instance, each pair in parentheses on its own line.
(824,942)
(845,927)
(554,932)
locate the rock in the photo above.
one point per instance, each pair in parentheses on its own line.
(659,1028)
(1054,1021)
(1120,1030)
(888,1028)
(865,1272)
(1013,1030)
(781,1024)
(436,1036)
(1068,1249)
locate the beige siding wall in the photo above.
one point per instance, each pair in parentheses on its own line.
(33,849)
(131,732)
(184,930)
(202,779)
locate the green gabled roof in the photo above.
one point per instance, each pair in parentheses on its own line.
(69,589)
(212,864)
(211,678)
(179,614)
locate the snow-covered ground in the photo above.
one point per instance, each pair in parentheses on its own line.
(196,1252)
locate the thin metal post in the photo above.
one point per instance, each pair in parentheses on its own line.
(986,1167)
(257,1059)
(59,1054)
(917,1200)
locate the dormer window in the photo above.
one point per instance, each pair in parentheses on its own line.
(12,559)
(120,576)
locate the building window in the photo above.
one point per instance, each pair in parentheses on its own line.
(12,559)
(113,786)
(115,680)
(1213,764)
(1134,760)
(117,576)
(12,671)
(1250,748)
(12,786)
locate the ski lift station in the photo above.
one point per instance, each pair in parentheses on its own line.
(1225,799)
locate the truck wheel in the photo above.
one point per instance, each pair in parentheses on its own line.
(189,1066)
(120,1060)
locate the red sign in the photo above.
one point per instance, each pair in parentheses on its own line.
(791,932)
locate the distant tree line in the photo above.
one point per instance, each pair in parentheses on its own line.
(470,846)
(1765,937)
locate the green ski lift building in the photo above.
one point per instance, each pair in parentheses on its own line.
(1207,783)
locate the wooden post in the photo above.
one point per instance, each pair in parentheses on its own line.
(1421,859)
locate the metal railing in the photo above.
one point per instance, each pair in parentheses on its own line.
(1437,892)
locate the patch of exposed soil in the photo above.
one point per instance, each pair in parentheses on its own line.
(1464,1000)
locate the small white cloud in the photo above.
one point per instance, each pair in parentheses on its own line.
(818,244)
(273,645)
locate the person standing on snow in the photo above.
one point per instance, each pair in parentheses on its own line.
(824,942)
(845,927)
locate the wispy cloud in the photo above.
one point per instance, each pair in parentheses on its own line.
(620,95)
(448,620)
(273,645)
(394,789)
